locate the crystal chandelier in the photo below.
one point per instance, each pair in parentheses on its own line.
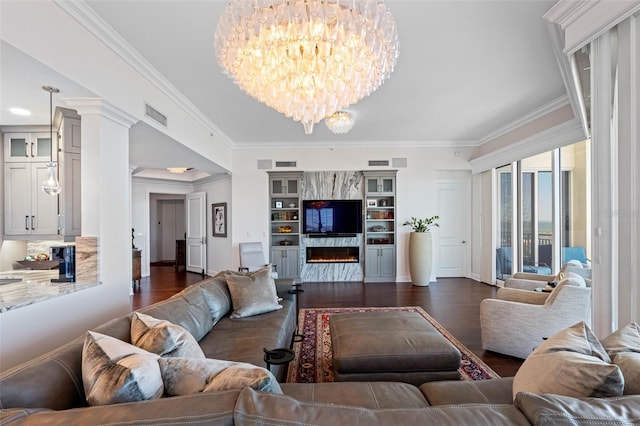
(307,58)
(339,122)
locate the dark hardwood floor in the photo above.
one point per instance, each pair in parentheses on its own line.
(453,302)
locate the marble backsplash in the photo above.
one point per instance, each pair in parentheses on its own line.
(87,266)
(337,185)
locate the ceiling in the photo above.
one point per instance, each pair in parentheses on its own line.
(466,69)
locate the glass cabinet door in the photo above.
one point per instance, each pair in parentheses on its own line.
(41,148)
(380,185)
(386,185)
(284,186)
(28,147)
(16,147)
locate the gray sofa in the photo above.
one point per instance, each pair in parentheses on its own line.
(49,389)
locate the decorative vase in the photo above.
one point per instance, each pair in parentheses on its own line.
(420,258)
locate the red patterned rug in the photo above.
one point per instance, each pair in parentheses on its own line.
(312,362)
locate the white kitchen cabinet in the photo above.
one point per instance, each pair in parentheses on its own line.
(28,210)
(67,122)
(70,217)
(28,148)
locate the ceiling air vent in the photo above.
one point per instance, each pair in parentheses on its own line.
(399,162)
(377,163)
(264,164)
(155,115)
(286,163)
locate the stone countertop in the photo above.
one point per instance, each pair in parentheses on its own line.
(33,287)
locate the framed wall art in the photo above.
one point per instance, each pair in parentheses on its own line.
(219,215)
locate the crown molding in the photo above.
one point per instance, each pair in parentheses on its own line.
(558,136)
(97,26)
(98,106)
(584,20)
(359,144)
(527,118)
(569,74)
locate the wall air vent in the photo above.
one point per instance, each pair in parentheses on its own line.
(155,115)
(399,162)
(286,163)
(264,164)
(378,163)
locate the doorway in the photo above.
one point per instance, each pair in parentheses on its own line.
(168,227)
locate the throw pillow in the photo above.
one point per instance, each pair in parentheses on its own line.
(185,376)
(162,337)
(114,371)
(572,362)
(623,347)
(216,294)
(252,293)
(557,410)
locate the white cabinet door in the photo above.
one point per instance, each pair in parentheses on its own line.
(287,261)
(70,213)
(17,199)
(44,207)
(28,210)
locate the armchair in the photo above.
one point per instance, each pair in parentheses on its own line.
(528,281)
(252,258)
(517,321)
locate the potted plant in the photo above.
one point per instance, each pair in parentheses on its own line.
(420,249)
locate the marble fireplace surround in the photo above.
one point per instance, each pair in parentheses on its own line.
(327,185)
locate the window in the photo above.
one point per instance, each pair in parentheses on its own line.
(551,215)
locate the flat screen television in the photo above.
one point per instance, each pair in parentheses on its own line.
(332,217)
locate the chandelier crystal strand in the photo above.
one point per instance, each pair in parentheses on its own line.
(307,58)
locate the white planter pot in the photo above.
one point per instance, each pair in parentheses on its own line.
(420,258)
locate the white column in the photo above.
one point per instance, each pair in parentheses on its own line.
(106,186)
(603,201)
(628,177)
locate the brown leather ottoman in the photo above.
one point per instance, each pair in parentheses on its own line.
(390,346)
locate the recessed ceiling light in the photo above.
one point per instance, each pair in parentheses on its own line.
(177,169)
(19,111)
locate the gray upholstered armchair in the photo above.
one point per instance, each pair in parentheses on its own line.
(517,321)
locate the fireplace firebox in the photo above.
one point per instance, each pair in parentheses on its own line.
(332,254)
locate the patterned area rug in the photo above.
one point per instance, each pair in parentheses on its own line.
(313,356)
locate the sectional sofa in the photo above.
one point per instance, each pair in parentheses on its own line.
(49,389)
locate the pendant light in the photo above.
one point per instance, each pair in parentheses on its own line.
(51,185)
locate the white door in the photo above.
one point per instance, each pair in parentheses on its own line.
(452,242)
(197,232)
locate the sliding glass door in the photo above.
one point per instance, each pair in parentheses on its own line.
(504,251)
(543,212)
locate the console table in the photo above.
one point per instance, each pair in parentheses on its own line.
(181,255)
(136,272)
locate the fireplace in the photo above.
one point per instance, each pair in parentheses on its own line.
(332,254)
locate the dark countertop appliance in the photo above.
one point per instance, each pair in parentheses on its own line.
(66,255)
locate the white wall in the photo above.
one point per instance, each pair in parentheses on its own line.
(219,249)
(218,191)
(416,194)
(144,193)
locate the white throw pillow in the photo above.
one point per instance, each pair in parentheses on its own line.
(114,371)
(163,337)
(573,363)
(623,347)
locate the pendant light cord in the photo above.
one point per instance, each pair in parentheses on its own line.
(51,91)
(51,124)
